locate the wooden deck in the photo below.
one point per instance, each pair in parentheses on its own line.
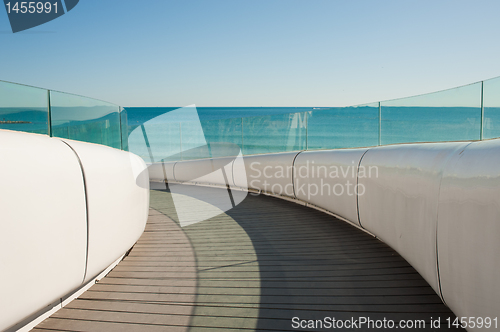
(254,267)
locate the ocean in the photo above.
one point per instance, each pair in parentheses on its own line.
(139,115)
(278,129)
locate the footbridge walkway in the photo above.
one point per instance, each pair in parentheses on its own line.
(266,265)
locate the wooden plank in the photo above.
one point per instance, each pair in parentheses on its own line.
(122,315)
(252,268)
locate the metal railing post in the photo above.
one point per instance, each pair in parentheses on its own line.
(482,112)
(180,139)
(242,142)
(307,130)
(120,109)
(379,123)
(49,114)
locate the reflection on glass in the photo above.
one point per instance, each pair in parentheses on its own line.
(450,115)
(491,102)
(84,119)
(343,127)
(23,108)
(274,133)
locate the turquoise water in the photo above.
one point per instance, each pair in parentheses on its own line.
(268,130)
(139,115)
(253,129)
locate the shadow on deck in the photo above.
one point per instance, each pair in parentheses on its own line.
(255,267)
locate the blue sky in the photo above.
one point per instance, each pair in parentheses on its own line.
(256,53)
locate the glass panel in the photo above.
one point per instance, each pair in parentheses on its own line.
(24,108)
(193,142)
(274,133)
(223,136)
(124,128)
(343,127)
(491,99)
(450,115)
(85,119)
(155,142)
(164,138)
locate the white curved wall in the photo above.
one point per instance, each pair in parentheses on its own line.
(117,205)
(400,205)
(44,224)
(469,231)
(328,179)
(158,171)
(271,173)
(207,171)
(43,228)
(193,206)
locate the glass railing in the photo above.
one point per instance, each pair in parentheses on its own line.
(343,127)
(466,113)
(24,108)
(490,126)
(450,115)
(274,133)
(35,110)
